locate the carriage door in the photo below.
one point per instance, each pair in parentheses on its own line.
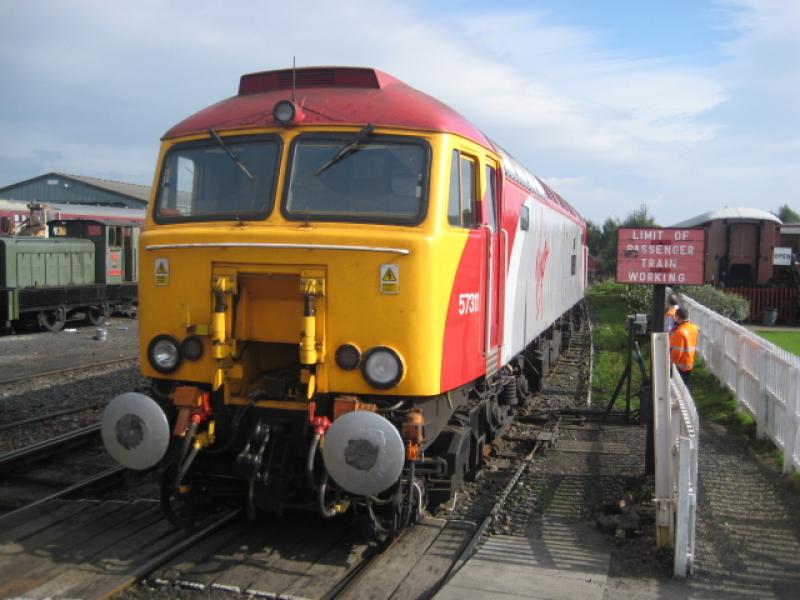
(495,274)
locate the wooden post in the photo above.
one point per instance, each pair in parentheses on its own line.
(659,307)
(790,421)
(659,353)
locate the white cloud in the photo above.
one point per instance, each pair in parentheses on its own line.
(98,83)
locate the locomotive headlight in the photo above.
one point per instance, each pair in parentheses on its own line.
(164,353)
(382,367)
(286,112)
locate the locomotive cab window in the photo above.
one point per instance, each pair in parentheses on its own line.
(209,180)
(462,210)
(114,236)
(363,178)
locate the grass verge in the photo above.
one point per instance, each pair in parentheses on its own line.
(788,340)
(609,307)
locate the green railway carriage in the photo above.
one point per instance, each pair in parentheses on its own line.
(117,246)
(86,267)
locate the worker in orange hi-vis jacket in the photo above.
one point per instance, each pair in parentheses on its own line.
(683,343)
(669,315)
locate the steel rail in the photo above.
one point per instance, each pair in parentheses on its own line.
(357,571)
(154,563)
(53,415)
(469,548)
(67,370)
(14,456)
(100,478)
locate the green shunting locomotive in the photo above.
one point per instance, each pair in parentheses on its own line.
(86,267)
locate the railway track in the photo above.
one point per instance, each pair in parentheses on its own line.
(314,558)
(45,417)
(52,469)
(102,547)
(92,549)
(67,370)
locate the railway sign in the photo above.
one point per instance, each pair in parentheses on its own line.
(782,257)
(660,256)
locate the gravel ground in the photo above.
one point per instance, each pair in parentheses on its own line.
(91,388)
(748,523)
(27,354)
(87,389)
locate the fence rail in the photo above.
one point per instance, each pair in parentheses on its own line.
(763,298)
(677,441)
(764,378)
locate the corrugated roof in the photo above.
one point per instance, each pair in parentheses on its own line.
(134,190)
(752,214)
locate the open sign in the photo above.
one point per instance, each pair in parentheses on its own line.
(782,257)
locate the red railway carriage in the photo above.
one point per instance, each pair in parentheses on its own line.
(333,256)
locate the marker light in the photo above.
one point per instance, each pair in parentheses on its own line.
(286,112)
(192,348)
(347,357)
(382,368)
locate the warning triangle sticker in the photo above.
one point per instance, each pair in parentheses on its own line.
(389,275)
(162,269)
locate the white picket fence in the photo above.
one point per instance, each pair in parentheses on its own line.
(677,442)
(764,378)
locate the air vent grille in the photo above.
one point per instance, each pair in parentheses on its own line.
(308,78)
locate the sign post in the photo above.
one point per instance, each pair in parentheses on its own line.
(659,256)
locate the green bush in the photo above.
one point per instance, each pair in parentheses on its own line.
(639,298)
(731,306)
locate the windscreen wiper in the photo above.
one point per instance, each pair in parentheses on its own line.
(348,149)
(230,152)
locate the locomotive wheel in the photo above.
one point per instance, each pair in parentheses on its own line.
(97,315)
(53,320)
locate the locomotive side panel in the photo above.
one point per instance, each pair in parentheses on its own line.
(546,270)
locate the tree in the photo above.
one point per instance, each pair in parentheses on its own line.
(603,241)
(607,251)
(786,214)
(640,217)
(594,235)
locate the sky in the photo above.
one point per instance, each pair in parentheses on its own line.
(685,106)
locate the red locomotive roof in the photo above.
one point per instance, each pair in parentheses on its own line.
(330,95)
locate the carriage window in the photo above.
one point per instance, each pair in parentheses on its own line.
(524,218)
(461,208)
(205,181)
(381,179)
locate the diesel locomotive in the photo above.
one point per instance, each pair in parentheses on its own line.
(346,291)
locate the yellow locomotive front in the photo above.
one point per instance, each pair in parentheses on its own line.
(263,253)
(295,278)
